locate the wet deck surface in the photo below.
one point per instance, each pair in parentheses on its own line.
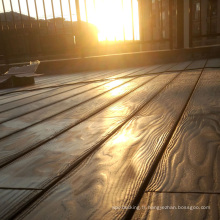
(96,145)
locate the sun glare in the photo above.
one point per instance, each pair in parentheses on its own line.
(116,20)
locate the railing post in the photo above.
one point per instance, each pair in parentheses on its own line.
(79,27)
(171,23)
(180,24)
(187,23)
(2,40)
(145,20)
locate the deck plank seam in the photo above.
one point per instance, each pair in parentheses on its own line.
(91,151)
(129,214)
(68,127)
(59,112)
(84,84)
(55,86)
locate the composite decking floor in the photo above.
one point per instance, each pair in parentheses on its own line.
(135,143)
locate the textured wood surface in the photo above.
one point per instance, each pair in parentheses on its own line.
(163,68)
(213,63)
(20,95)
(146,70)
(50,100)
(207,96)
(74,140)
(191,161)
(47,98)
(151,136)
(13,200)
(68,79)
(20,100)
(180,66)
(179,206)
(120,166)
(31,118)
(197,64)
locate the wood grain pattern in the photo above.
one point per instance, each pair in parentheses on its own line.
(13,200)
(19,95)
(206,99)
(191,160)
(163,68)
(113,175)
(213,63)
(47,101)
(197,64)
(31,118)
(180,66)
(77,141)
(22,95)
(146,70)
(168,206)
(17,102)
(68,79)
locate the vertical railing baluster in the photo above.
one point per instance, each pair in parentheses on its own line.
(79,34)
(161,20)
(132,17)
(151,20)
(39,26)
(122,5)
(29,17)
(200,18)
(31,26)
(71,17)
(19,6)
(190,23)
(55,24)
(6,20)
(2,27)
(2,40)
(36,11)
(85,4)
(13,18)
(45,16)
(171,23)
(210,17)
(61,10)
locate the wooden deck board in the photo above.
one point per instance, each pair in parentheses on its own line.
(25,94)
(180,66)
(191,160)
(13,200)
(83,156)
(30,99)
(48,100)
(213,63)
(116,173)
(37,116)
(197,64)
(68,79)
(163,68)
(36,134)
(20,95)
(77,141)
(168,206)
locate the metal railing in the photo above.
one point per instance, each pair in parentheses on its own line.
(204,21)
(46,28)
(28,29)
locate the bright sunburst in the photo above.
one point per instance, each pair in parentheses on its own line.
(113,18)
